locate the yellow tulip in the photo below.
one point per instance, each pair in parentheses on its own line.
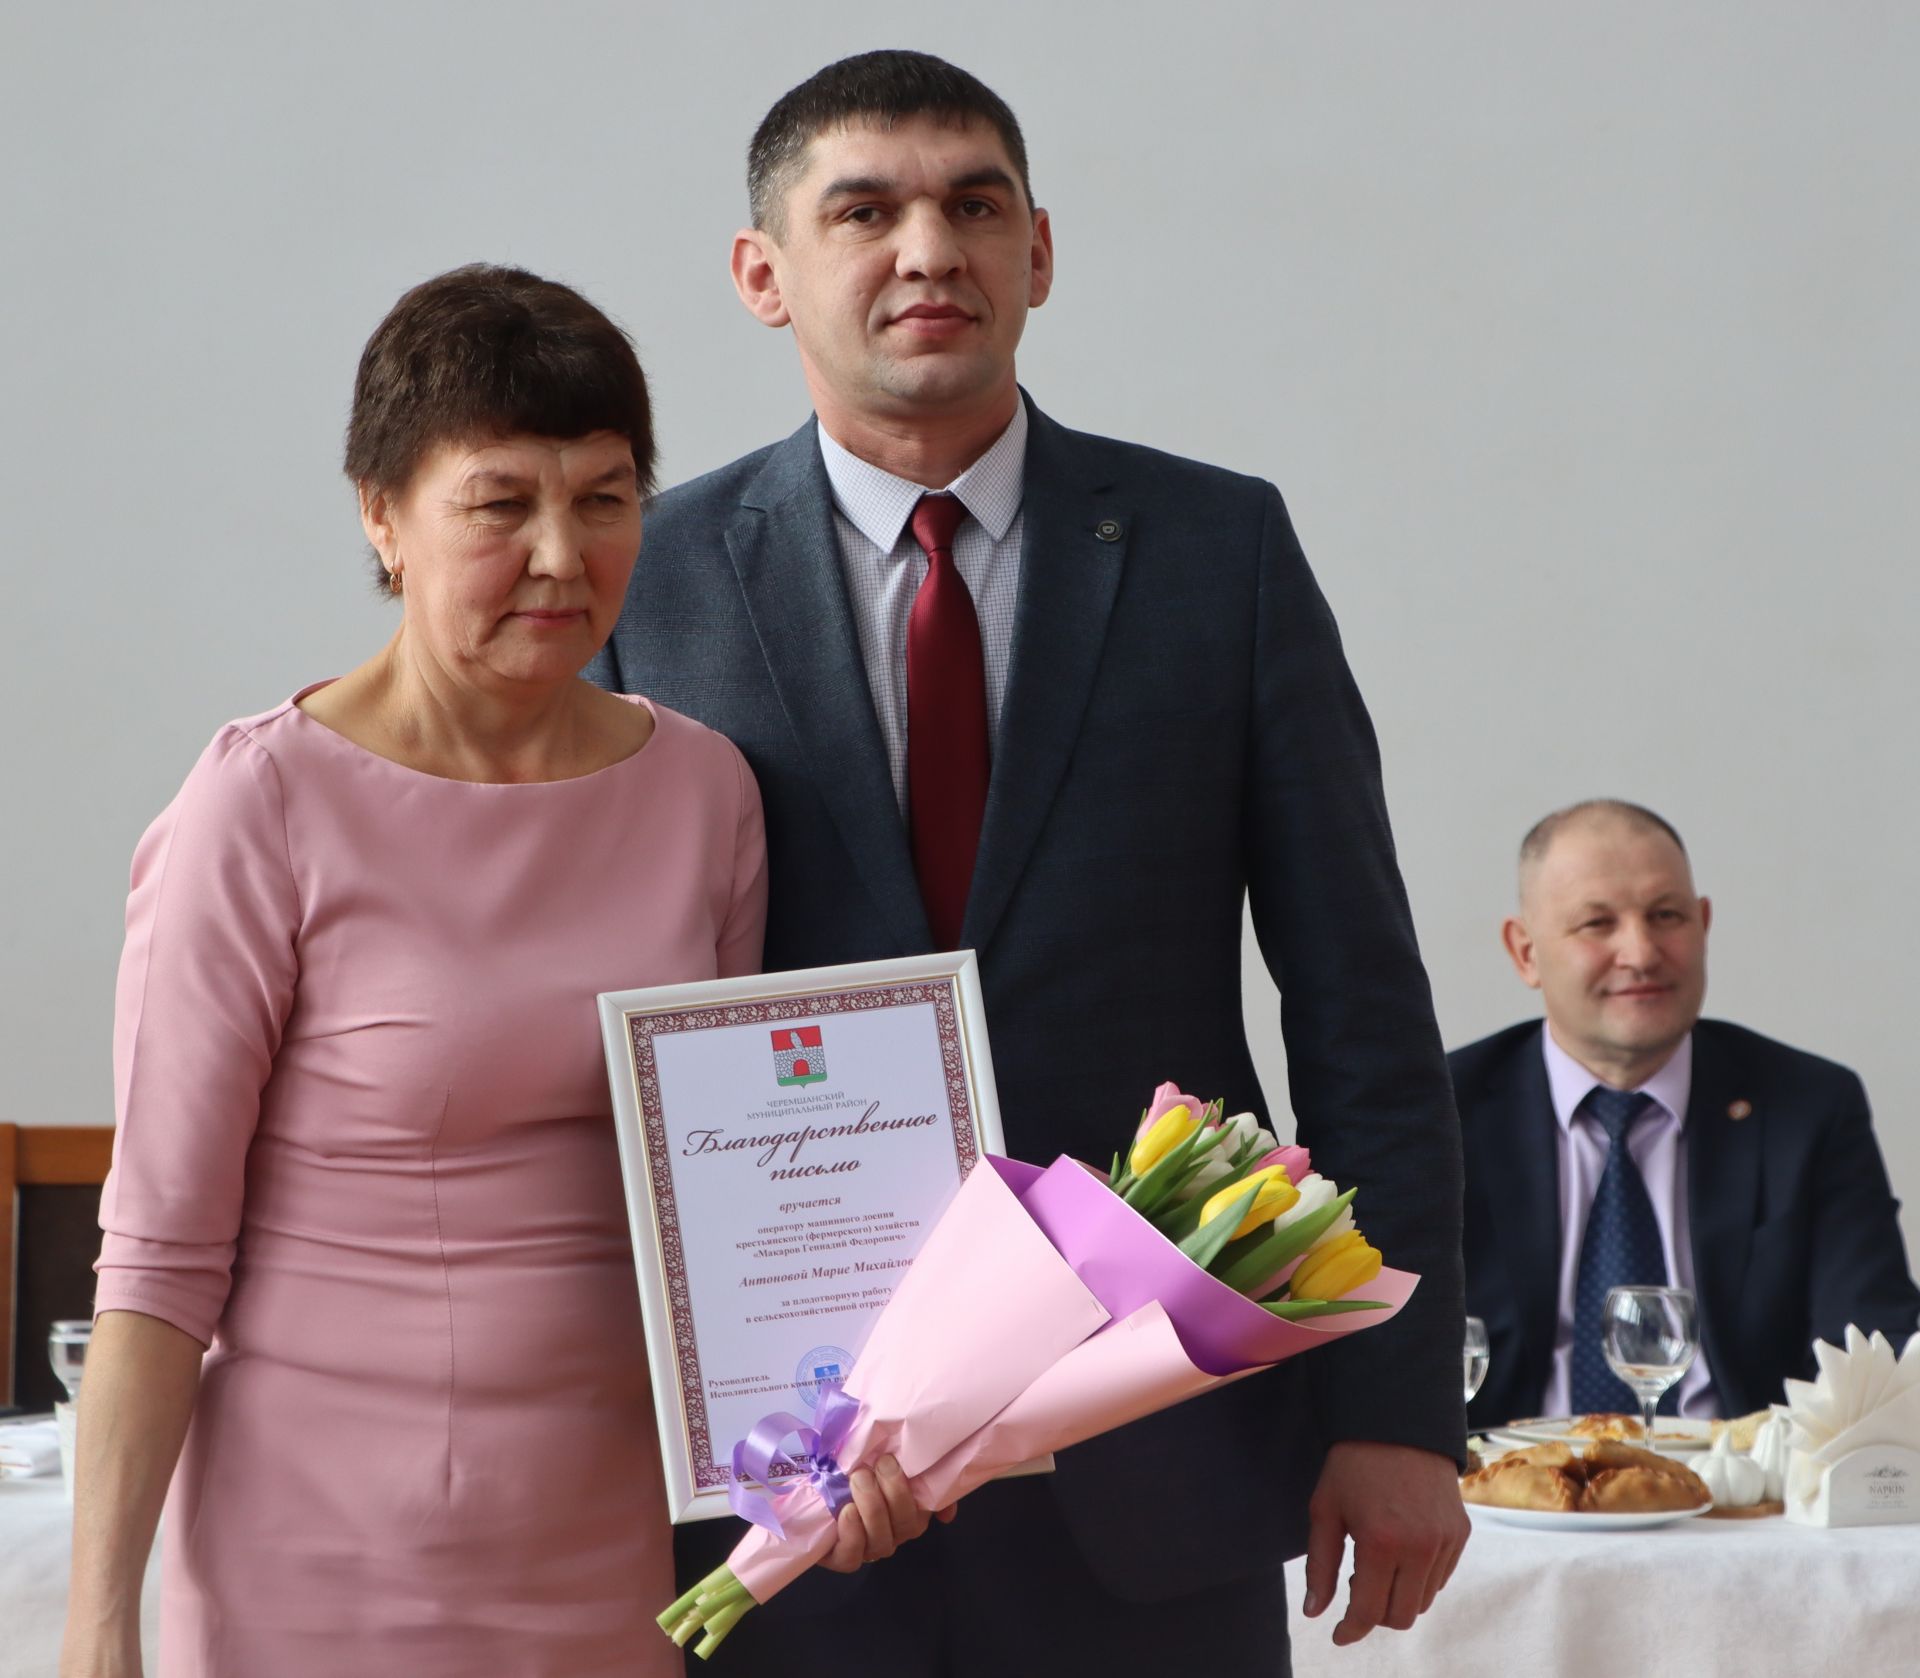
(1336,1268)
(1276,1194)
(1166,1133)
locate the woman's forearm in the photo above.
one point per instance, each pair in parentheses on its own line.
(136,1398)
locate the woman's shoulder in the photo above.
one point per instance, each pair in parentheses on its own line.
(270,728)
(685,733)
(264,734)
(694,747)
(248,756)
(233,799)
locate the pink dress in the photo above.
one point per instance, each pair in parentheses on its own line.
(366,1149)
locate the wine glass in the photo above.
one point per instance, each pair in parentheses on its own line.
(67,1352)
(1650,1336)
(1474,1356)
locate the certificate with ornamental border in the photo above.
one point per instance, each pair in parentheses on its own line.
(786,1141)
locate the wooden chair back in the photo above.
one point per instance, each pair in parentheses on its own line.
(50,1177)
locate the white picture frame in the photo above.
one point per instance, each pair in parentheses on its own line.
(742,1251)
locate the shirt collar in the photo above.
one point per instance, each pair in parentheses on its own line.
(878,505)
(1569,1081)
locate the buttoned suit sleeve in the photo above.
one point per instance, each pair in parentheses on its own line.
(1366,1072)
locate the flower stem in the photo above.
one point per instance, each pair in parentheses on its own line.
(719,1626)
(713,1607)
(678,1611)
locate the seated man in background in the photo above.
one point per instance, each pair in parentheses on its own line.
(1631,1141)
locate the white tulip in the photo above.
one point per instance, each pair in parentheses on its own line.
(1315,1192)
(1238,1131)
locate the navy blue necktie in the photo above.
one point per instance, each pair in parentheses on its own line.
(1621,1247)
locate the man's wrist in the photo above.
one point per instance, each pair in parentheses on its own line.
(1426,1445)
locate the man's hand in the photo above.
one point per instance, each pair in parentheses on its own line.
(1402,1508)
(881,1517)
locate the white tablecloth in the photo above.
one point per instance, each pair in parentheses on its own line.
(1700,1598)
(1703,1598)
(36,1545)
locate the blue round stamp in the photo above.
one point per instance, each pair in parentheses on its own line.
(821,1364)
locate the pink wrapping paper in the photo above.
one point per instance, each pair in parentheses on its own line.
(1127,1263)
(1130,1369)
(986,1308)
(1176,1333)
(1043,1310)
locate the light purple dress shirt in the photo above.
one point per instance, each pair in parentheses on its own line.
(1658,1145)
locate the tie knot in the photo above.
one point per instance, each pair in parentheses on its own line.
(1617,1111)
(935,519)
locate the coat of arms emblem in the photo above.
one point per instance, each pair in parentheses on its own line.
(797,1055)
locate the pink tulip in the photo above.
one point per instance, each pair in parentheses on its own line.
(1165,1099)
(1290,1154)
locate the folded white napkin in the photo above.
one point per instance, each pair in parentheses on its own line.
(1865,1399)
(29,1448)
(1864,1395)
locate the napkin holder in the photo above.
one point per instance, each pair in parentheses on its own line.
(1876,1485)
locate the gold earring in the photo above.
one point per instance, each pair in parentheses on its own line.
(393,579)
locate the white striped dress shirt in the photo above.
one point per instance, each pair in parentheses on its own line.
(883,566)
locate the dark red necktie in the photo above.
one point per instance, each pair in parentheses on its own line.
(946,725)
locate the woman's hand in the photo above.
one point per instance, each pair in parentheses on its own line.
(881,1517)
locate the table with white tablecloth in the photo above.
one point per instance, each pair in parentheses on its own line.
(1704,1598)
(36,1549)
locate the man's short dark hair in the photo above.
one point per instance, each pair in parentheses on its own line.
(1540,836)
(484,352)
(882,88)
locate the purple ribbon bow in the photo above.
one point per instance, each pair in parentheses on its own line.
(757,1456)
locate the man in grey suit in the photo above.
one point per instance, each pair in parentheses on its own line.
(1067,702)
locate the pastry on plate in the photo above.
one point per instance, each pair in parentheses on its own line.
(1609,1478)
(1614,1453)
(1605,1424)
(1641,1491)
(1522,1485)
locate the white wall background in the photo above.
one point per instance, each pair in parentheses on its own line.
(1583,341)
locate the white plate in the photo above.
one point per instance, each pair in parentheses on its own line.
(1564,1520)
(1670,1433)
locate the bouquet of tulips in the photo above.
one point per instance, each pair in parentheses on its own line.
(1269,1208)
(1050,1305)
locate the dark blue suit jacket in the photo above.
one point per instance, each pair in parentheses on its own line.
(1794,1229)
(1180,731)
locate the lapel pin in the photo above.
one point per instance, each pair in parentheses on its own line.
(1740,1110)
(1108,530)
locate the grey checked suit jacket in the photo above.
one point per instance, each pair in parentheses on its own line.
(1180,731)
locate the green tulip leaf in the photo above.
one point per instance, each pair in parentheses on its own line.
(1204,1244)
(1295,1310)
(1178,1219)
(1150,1190)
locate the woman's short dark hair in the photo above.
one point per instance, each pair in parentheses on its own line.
(484,351)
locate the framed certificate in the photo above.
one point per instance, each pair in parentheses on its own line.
(787,1141)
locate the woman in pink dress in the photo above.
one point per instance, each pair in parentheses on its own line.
(365,1147)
